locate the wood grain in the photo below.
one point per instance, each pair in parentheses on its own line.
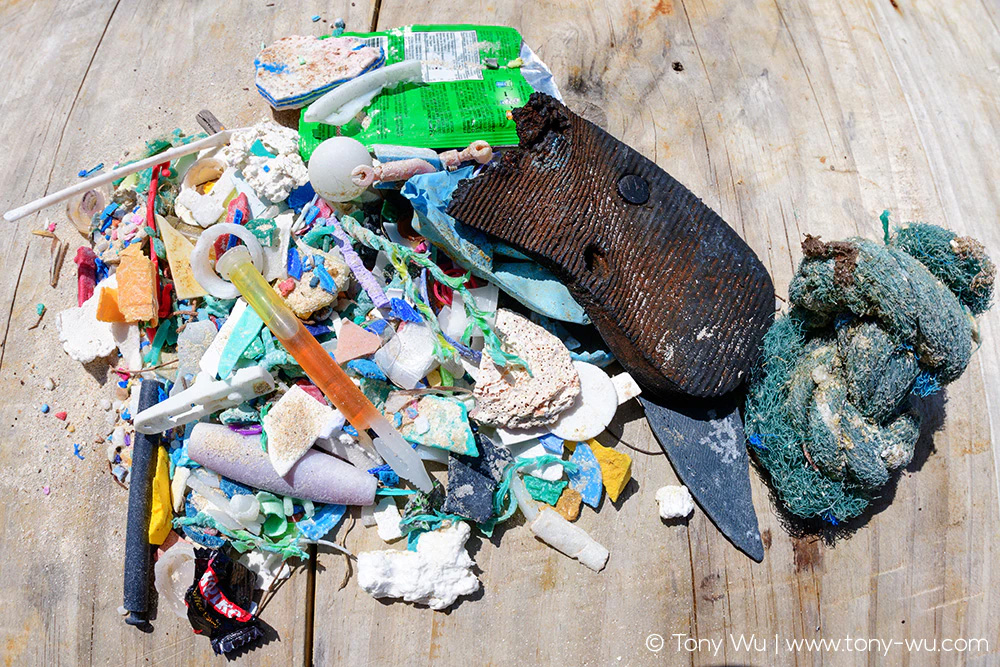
(784,117)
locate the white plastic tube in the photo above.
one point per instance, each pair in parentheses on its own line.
(342,103)
(105,178)
(550,527)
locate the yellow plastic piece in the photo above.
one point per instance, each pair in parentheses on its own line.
(179,256)
(107,306)
(616,468)
(162,512)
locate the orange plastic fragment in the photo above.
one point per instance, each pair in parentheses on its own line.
(107,306)
(136,292)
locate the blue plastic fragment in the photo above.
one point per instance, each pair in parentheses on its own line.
(587,479)
(534,286)
(315,18)
(311,215)
(385,474)
(294,264)
(551,443)
(322,521)
(102,269)
(231,488)
(366,368)
(599,358)
(401,310)
(317,329)
(350,430)
(377,326)
(76,451)
(257,148)
(300,196)
(326,281)
(84,173)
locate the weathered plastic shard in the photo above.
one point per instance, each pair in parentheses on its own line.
(436,574)
(510,397)
(136,294)
(354,342)
(492,459)
(192,342)
(387,519)
(297,69)
(318,477)
(246,330)
(587,478)
(592,409)
(443,423)
(470,493)
(705,444)
(292,425)
(619,231)
(179,257)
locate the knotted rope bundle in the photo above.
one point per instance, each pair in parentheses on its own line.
(829,412)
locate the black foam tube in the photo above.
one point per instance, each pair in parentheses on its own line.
(140,499)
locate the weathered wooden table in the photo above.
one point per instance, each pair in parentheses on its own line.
(785,118)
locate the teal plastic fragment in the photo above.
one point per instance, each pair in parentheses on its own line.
(543,490)
(257,148)
(247,328)
(447,422)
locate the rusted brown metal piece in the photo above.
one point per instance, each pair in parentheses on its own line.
(677,295)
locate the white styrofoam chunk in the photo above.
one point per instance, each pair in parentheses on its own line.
(436,574)
(675,502)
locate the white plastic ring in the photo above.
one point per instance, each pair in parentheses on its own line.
(203,271)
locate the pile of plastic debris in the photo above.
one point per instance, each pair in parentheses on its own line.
(476,356)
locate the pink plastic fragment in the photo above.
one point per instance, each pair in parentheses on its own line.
(478,151)
(397,170)
(312,390)
(286,286)
(86,277)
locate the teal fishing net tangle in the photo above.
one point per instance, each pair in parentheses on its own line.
(829,412)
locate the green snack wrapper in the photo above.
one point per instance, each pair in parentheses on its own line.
(461,99)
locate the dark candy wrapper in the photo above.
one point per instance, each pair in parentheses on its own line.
(218,601)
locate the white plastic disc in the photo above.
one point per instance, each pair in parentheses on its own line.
(592,410)
(202,269)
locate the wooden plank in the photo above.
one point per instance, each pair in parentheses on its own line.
(785,118)
(85,82)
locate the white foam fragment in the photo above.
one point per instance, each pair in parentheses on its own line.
(82,336)
(675,502)
(436,574)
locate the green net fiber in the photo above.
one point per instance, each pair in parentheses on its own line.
(829,412)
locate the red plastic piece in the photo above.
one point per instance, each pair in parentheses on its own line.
(86,277)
